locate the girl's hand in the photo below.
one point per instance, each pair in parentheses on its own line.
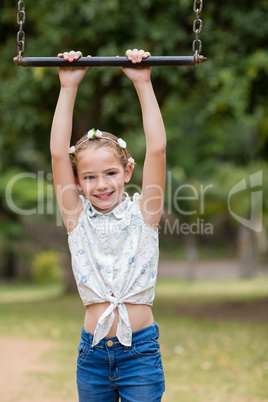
(140,74)
(71,76)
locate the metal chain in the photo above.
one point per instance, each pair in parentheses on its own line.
(21,17)
(197,28)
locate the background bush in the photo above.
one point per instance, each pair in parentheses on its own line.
(46,267)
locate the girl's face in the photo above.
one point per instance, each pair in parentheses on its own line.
(101,176)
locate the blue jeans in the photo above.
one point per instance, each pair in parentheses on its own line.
(111,370)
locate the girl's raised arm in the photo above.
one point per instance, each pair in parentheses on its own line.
(154,172)
(64,180)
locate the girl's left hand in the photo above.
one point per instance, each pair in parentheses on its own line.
(140,74)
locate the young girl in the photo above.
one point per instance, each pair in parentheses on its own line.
(113,242)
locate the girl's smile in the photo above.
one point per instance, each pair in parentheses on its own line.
(101,176)
(104,196)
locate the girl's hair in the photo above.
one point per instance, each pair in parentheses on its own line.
(107,140)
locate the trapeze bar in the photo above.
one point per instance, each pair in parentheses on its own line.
(108,61)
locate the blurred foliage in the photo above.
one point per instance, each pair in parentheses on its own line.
(215,114)
(46,267)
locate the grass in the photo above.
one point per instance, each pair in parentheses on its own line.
(211,291)
(17,293)
(204,359)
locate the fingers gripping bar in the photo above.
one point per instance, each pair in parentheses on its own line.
(109,61)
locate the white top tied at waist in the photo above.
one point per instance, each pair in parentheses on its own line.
(114,259)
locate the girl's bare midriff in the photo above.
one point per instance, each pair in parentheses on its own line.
(140,316)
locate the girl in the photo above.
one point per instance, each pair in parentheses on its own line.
(113,242)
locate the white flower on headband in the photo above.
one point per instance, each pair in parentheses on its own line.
(94,134)
(121,143)
(90,134)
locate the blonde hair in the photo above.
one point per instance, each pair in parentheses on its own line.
(107,140)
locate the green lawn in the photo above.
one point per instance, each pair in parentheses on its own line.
(206,358)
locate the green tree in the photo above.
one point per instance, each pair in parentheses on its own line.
(214,113)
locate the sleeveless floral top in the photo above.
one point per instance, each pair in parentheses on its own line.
(114,259)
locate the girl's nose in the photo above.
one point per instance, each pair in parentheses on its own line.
(101,183)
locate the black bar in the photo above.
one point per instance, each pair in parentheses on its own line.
(107,61)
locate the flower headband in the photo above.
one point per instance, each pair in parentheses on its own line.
(91,135)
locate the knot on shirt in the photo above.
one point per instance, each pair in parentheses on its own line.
(113,300)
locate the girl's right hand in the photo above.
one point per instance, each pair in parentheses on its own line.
(71,76)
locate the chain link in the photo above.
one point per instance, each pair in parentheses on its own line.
(197,28)
(21,17)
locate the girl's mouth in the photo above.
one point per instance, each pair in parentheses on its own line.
(104,196)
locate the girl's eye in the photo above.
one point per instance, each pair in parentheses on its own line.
(111,174)
(89,177)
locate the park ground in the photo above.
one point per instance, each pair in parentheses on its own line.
(215,348)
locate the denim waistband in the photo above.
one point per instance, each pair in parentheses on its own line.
(142,335)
